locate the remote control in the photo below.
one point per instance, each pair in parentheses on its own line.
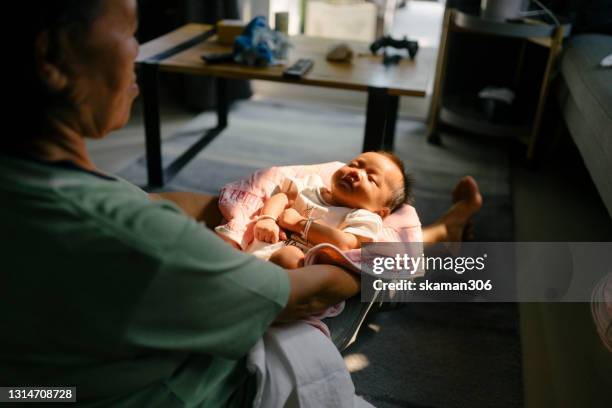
(297,70)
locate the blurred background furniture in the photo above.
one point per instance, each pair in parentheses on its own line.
(565,363)
(472,67)
(159,17)
(585,96)
(180,52)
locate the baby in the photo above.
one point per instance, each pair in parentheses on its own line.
(349,213)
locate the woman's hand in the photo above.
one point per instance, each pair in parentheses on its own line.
(267,230)
(315,288)
(291,220)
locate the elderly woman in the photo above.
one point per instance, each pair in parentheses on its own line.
(124,295)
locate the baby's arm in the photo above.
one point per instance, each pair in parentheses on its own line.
(318,233)
(266,229)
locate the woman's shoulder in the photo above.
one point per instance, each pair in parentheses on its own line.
(101,208)
(126,213)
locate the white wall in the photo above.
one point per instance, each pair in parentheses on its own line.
(341,21)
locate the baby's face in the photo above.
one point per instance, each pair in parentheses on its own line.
(368,181)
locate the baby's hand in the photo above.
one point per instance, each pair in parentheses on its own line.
(290,219)
(267,230)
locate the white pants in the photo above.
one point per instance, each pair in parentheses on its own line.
(297,366)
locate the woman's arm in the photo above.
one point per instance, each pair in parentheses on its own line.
(315,288)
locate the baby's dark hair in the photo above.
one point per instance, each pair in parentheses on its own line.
(402,195)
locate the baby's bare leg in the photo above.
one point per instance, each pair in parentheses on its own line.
(289,257)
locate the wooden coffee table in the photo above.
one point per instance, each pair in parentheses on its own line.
(180,52)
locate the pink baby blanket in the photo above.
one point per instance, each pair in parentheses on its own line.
(240,203)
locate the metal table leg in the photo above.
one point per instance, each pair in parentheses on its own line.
(157,174)
(149,80)
(375,119)
(150,99)
(389,136)
(222,105)
(208,136)
(381,117)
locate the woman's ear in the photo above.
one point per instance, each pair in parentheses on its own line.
(49,71)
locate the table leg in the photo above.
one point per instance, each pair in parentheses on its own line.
(208,136)
(555,48)
(150,100)
(375,119)
(222,105)
(389,136)
(433,131)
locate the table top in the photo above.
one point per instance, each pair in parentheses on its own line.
(408,78)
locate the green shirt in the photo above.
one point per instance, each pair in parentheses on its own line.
(127,299)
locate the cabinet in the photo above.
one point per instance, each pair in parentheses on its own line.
(460,109)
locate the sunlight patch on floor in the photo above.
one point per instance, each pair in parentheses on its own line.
(356,362)
(374,327)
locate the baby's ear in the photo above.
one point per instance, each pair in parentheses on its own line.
(383,212)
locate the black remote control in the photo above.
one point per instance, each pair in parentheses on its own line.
(298,69)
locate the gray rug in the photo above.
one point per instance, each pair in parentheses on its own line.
(420,355)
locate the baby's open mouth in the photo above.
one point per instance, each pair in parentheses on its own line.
(346,182)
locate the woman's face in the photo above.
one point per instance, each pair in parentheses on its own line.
(102,78)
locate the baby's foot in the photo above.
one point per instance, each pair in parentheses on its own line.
(466,202)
